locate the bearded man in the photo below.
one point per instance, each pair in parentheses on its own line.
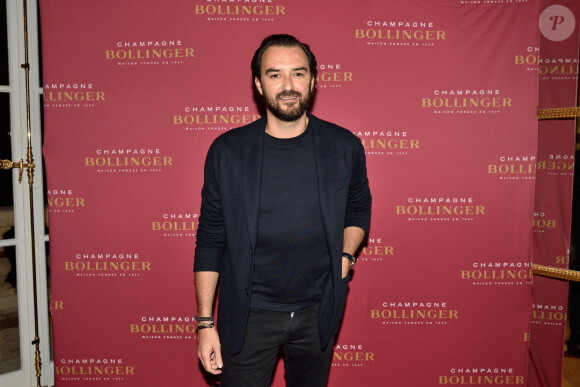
(285,206)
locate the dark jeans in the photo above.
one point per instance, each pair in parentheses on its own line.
(296,334)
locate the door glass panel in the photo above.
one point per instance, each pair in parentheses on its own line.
(6,192)
(3,45)
(9,331)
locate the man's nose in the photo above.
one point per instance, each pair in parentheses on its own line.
(287,84)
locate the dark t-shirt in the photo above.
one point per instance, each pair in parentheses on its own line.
(291,261)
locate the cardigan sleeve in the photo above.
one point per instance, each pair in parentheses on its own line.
(211,240)
(358,205)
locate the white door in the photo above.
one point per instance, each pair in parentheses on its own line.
(17,324)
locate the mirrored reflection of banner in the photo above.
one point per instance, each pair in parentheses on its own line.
(136,91)
(557,62)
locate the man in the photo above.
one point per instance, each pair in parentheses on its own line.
(285,205)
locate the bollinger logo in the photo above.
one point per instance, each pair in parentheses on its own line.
(530,58)
(466,101)
(556,165)
(72,95)
(486,273)
(557,23)
(165,52)
(387,142)
(481,376)
(107,265)
(513,167)
(176,224)
(541,222)
(399,33)
(440,209)
(64,201)
(351,355)
(332,76)
(195,118)
(376,251)
(548,68)
(93,369)
(414,313)
(558,68)
(549,315)
(164,327)
(128,160)
(243,11)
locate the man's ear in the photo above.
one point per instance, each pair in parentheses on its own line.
(312,84)
(258,85)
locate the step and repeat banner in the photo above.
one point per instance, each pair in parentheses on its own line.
(556,60)
(441,94)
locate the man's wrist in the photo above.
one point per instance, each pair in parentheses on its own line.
(351,259)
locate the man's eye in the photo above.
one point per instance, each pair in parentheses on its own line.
(299,74)
(275,76)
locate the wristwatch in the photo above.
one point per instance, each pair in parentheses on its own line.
(351,259)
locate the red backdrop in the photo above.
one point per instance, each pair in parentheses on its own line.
(135,91)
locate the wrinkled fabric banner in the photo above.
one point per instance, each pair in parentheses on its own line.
(557,63)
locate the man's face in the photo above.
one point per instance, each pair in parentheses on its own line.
(285,82)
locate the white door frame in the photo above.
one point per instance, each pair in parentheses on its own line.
(26,376)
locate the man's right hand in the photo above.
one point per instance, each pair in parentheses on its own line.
(209,350)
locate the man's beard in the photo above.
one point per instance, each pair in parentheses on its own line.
(275,105)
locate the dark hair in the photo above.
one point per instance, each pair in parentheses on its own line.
(282,40)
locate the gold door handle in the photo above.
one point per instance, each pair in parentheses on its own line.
(20,165)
